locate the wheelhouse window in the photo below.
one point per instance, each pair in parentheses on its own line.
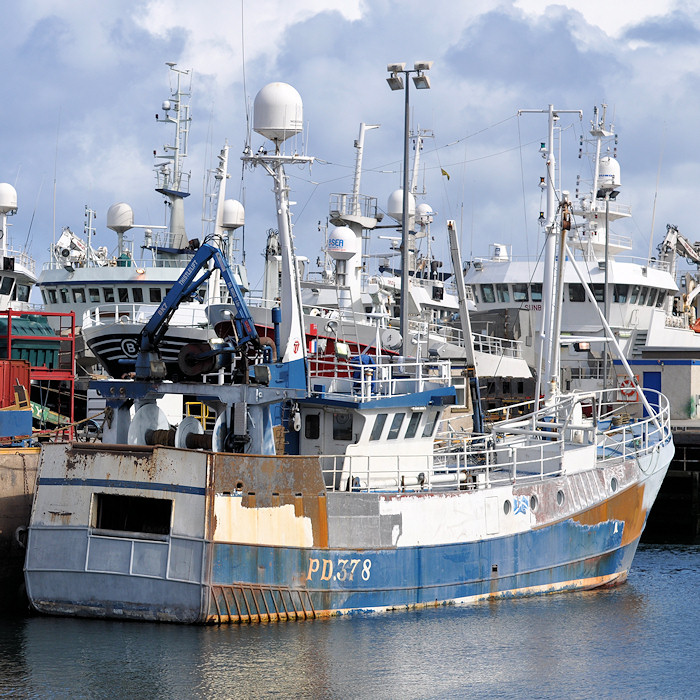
(431,424)
(123,293)
(598,291)
(503,293)
(643,296)
(64,295)
(23,292)
(396,426)
(635,294)
(378,426)
(6,285)
(155,294)
(660,298)
(487,293)
(577,292)
(312,426)
(79,295)
(53,299)
(137,514)
(94,295)
(620,292)
(652,297)
(342,426)
(138,294)
(520,292)
(109,294)
(536,291)
(413,426)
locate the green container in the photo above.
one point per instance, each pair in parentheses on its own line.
(37,350)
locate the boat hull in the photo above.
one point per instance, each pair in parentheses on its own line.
(248,544)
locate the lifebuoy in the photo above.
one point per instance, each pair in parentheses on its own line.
(628,389)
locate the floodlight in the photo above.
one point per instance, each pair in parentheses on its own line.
(395,82)
(421,82)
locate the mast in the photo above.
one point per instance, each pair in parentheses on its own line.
(548,369)
(172,181)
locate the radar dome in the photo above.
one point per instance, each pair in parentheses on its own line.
(120,217)
(278,112)
(8,198)
(233,215)
(609,173)
(342,243)
(424,213)
(395,205)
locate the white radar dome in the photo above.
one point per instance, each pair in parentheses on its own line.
(8,198)
(342,243)
(120,217)
(395,205)
(278,112)
(424,213)
(609,173)
(233,215)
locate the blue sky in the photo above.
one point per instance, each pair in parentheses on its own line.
(84,80)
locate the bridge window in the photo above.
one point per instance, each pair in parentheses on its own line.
(503,293)
(396,426)
(536,292)
(378,426)
(577,292)
(520,292)
(79,295)
(620,292)
(487,293)
(53,299)
(23,292)
(413,426)
(108,294)
(151,516)
(660,298)
(430,424)
(6,285)
(598,291)
(643,296)
(652,297)
(94,295)
(138,294)
(155,294)
(635,294)
(123,295)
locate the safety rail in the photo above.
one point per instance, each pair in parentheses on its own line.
(364,377)
(186,315)
(22,258)
(516,451)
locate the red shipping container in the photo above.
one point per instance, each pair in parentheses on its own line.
(11,373)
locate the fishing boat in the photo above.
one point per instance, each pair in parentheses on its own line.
(359,499)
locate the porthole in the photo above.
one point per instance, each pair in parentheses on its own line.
(506,507)
(613,484)
(560,498)
(533,503)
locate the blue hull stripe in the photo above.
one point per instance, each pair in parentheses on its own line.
(123,484)
(428,574)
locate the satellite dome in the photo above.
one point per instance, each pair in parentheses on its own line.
(424,213)
(342,243)
(8,198)
(278,112)
(233,216)
(395,205)
(609,173)
(120,217)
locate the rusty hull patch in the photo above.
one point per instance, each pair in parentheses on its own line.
(273,481)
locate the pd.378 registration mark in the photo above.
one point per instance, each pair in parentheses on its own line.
(340,570)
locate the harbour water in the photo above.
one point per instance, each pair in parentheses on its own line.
(639,640)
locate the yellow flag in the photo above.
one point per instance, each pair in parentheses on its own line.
(445,173)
